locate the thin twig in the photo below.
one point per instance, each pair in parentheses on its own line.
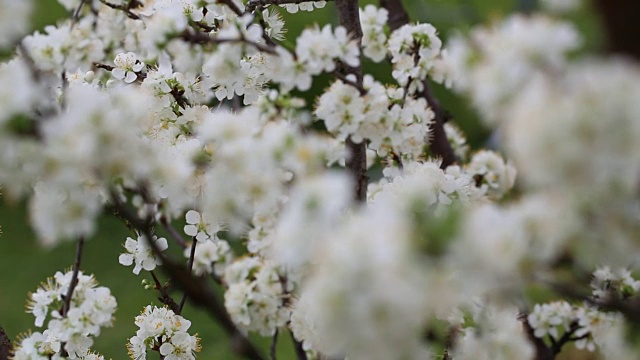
(348,81)
(272,349)
(165,298)
(192,255)
(76,14)
(123,8)
(232,6)
(74,277)
(175,235)
(204,38)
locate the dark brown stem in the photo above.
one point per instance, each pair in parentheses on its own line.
(173,232)
(272,349)
(542,350)
(231,6)
(74,277)
(349,18)
(438,142)
(204,38)
(123,8)
(397,14)
(165,298)
(76,14)
(347,81)
(192,255)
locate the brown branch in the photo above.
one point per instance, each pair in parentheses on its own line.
(349,18)
(620,18)
(437,138)
(348,81)
(164,297)
(397,14)
(438,142)
(76,14)
(173,232)
(103,66)
(542,350)
(232,6)
(204,38)
(125,9)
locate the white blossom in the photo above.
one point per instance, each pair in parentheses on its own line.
(140,252)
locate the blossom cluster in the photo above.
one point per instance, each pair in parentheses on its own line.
(256,295)
(162,330)
(72,323)
(555,319)
(390,124)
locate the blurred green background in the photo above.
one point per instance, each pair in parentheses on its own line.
(24,265)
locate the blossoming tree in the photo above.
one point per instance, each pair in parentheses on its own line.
(169,111)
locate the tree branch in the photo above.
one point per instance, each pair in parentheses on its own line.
(542,350)
(620,18)
(204,38)
(349,17)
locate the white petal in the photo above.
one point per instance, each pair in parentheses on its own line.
(131,77)
(125,259)
(191,230)
(192,217)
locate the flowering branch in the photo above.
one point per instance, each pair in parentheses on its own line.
(197,289)
(253,4)
(437,138)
